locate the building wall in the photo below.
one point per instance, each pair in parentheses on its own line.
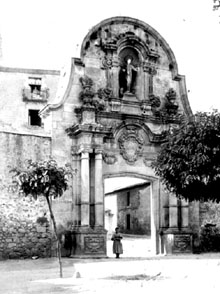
(22,234)
(13,107)
(138,209)
(110,213)
(25,229)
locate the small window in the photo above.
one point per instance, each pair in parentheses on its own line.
(128,198)
(34,118)
(128,221)
(35,85)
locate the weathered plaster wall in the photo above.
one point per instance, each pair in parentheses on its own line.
(139,210)
(13,109)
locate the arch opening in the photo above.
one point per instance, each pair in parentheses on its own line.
(128,206)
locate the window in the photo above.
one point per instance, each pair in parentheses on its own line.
(35,85)
(128,221)
(34,118)
(128,198)
(35,90)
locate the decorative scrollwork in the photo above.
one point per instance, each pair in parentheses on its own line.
(94,244)
(104,93)
(171,105)
(150,68)
(149,161)
(131,145)
(154,101)
(109,157)
(107,62)
(87,95)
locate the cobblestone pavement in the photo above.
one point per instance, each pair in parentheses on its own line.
(166,274)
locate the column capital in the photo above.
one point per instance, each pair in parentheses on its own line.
(83,148)
(98,151)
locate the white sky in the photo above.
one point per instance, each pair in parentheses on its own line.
(44,33)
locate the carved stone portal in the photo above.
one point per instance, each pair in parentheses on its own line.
(131,145)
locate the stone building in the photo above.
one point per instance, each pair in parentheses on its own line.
(24,223)
(132,209)
(106,113)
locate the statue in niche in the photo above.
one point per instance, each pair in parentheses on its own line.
(127,76)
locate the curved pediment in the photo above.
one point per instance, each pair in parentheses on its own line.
(116,32)
(132,70)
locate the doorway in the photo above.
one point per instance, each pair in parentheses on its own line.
(127,206)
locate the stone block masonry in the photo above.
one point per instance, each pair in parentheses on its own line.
(24,227)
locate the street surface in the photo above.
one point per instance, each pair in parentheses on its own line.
(147,274)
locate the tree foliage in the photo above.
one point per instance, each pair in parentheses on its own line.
(44,178)
(216,4)
(189,162)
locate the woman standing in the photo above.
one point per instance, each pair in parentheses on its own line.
(117,245)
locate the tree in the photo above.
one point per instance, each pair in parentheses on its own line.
(189,162)
(43,178)
(216,4)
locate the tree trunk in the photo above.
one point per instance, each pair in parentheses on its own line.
(55,231)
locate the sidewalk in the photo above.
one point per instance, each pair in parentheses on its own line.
(169,274)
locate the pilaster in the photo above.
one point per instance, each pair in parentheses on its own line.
(85,176)
(99,191)
(154,196)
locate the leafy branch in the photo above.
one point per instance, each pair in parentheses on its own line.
(189,162)
(43,178)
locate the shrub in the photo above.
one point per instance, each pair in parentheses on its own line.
(210,238)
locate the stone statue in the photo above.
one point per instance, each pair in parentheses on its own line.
(129,74)
(127,77)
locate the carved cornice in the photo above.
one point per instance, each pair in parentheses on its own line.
(76,129)
(158,118)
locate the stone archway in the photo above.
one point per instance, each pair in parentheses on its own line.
(115,123)
(154,204)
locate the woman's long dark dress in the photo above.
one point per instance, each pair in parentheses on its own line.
(117,245)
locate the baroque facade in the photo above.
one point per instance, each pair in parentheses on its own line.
(106,113)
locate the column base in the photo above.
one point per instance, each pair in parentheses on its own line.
(174,241)
(88,242)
